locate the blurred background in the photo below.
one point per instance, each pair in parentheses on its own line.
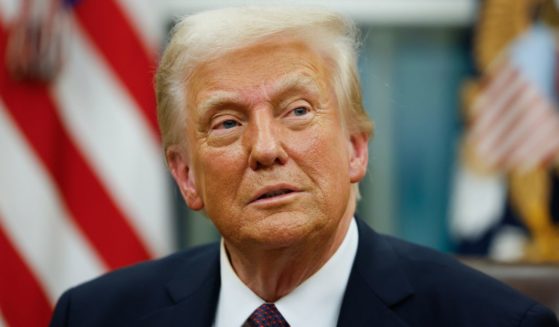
(464,158)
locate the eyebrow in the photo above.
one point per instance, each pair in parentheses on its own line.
(288,83)
(295,81)
(218,99)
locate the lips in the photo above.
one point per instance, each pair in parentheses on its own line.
(272,192)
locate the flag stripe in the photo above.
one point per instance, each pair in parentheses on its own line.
(148,21)
(9,9)
(23,302)
(493,102)
(527,134)
(118,43)
(534,148)
(2,320)
(513,122)
(131,165)
(43,233)
(545,152)
(493,141)
(518,130)
(494,130)
(93,210)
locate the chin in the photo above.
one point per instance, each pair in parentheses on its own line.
(282,230)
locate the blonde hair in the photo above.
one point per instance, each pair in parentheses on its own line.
(211,34)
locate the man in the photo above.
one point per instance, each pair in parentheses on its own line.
(263,129)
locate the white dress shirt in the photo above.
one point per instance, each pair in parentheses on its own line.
(316,302)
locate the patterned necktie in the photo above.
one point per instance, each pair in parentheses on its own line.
(266,315)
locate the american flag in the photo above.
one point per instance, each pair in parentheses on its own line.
(514,129)
(515,125)
(83,188)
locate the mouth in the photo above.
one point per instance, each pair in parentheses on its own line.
(273,192)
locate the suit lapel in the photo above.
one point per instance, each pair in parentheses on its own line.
(376,284)
(193,294)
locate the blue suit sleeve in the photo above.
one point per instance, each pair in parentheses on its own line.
(539,316)
(61,311)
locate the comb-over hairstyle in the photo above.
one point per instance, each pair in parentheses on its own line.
(208,35)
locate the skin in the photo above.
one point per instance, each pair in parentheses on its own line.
(261,119)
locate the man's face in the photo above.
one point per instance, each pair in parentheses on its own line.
(268,158)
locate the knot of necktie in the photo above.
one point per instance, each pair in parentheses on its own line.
(266,315)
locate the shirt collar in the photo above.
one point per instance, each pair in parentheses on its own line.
(316,302)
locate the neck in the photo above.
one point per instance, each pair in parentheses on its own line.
(274,273)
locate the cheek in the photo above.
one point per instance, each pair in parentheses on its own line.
(324,156)
(219,173)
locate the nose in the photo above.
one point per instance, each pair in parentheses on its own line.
(265,141)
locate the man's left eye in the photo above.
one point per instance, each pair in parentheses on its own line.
(229,123)
(300,111)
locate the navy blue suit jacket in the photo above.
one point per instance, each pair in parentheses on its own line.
(392,283)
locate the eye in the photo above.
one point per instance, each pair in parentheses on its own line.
(226,124)
(230,123)
(300,111)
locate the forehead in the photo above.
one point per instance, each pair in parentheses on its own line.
(265,67)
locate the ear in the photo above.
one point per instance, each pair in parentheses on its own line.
(184,177)
(359,156)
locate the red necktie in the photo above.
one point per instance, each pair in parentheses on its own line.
(266,315)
